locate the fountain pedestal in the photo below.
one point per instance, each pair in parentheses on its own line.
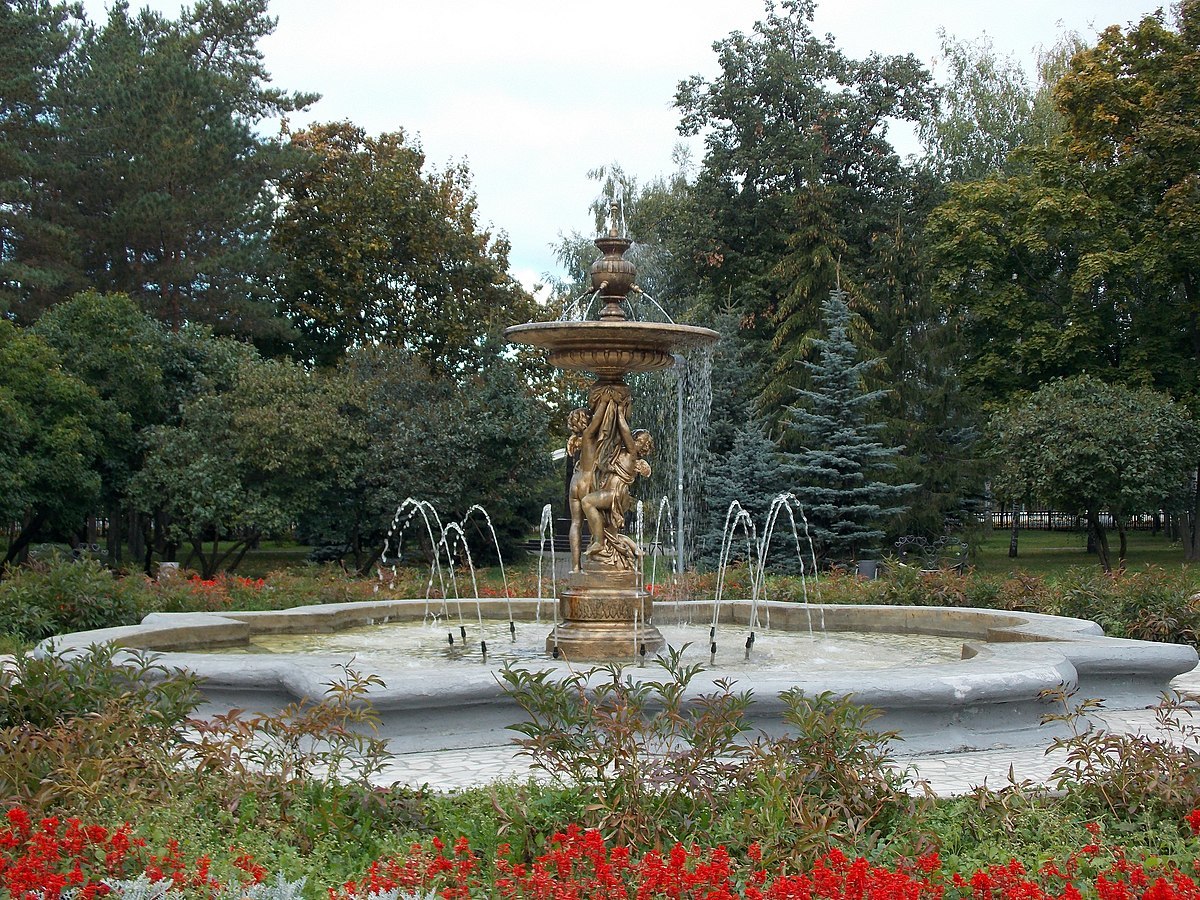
(605,615)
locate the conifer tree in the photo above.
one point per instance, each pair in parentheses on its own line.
(839,457)
(751,473)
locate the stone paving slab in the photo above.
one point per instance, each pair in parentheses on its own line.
(946,774)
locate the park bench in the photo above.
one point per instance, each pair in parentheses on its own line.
(946,553)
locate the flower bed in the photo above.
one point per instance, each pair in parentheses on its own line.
(49,861)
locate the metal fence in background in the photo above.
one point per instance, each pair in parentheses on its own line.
(1052,520)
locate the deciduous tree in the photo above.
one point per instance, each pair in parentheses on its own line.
(379,249)
(1081,445)
(48,441)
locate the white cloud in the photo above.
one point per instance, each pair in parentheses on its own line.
(533,93)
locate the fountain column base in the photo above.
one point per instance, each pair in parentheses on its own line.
(606,616)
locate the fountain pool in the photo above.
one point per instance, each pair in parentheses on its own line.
(944,678)
(979,682)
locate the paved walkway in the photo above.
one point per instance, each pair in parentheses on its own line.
(946,773)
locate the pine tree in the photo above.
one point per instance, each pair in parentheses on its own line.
(840,455)
(751,473)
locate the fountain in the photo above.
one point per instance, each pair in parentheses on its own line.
(983,686)
(604,610)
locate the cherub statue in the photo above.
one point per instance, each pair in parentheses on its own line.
(588,433)
(606,505)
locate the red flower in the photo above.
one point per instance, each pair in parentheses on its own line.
(1193,820)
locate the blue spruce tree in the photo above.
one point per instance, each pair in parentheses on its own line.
(839,457)
(751,473)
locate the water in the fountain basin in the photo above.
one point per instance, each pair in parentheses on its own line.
(418,644)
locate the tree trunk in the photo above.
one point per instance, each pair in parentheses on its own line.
(135,538)
(1013,535)
(114,534)
(18,550)
(1122,551)
(1096,532)
(1191,528)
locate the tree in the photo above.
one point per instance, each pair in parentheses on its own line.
(244,462)
(48,441)
(752,473)
(1132,110)
(379,250)
(164,180)
(838,454)
(1085,259)
(1025,264)
(986,111)
(35,37)
(110,345)
(798,177)
(1079,444)
(453,443)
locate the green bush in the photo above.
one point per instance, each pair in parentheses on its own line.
(61,595)
(657,766)
(82,729)
(1152,605)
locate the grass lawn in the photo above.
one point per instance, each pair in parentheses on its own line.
(1053,552)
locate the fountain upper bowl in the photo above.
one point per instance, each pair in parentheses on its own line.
(612,348)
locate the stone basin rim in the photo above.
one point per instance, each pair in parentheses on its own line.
(665,336)
(997,644)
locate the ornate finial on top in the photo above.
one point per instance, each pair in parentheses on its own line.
(613,276)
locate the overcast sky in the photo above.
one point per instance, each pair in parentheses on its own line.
(533,93)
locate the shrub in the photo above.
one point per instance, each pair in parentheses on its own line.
(657,765)
(1153,605)
(61,595)
(1128,774)
(79,730)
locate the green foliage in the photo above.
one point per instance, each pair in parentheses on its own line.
(60,596)
(839,456)
(798,181)
(655,762)
(986,111)
(380,251)
(307,768)
(164,175)
(35,38)
(48,439)
(751,473)
(453,442)
(1128,775)
(80,729)
(49,687)
(1082,445)
(828,782)
(1152,605)
(244,462)
(659,759)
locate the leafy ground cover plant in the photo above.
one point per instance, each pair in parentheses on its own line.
(1127,775)
(658,763)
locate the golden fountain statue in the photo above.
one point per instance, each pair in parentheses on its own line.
(604,611)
